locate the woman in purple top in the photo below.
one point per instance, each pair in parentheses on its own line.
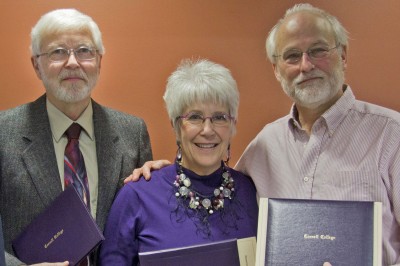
(199,199)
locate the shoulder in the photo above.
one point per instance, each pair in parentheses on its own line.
(127,126)
(160,179)
(274,130)
(103,112)
(28,116)
(146,193)
(241,179)
(276,127)
(23,110)
(376,112)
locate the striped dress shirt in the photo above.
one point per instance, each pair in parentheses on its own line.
(353,153)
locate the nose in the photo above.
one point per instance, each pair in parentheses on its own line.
(306,63)
(72,61)
(208,125)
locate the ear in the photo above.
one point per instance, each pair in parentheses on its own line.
(35,64)
(276,72)
(176,131)
(343,56)
(100,58)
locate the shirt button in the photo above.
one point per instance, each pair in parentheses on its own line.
(306,179)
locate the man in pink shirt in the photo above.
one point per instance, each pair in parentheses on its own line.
(330,145)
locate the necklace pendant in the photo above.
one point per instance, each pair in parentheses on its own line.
(184,191)
(218,204)
(182,177)
(186,182)
(225,175)
(193,203)
(226,192)
(206,203)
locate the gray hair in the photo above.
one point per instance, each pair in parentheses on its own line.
(63,20)
(341,34)
(200,81)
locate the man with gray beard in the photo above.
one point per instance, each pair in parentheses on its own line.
(330,146)
(67,50)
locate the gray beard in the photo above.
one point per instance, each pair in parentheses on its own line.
(72,93)
(317,93)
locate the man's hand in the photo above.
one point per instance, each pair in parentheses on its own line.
(146,169)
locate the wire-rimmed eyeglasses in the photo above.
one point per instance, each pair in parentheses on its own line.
(294,56)
(82,53)
(197,119)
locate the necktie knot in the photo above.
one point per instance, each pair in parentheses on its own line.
(73,131)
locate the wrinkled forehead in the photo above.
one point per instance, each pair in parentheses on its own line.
(302,29)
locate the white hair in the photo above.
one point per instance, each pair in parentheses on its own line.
(341,34)
(63,20)
(200,81)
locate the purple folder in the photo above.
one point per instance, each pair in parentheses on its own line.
(64,231)
(310,232)
(216,253)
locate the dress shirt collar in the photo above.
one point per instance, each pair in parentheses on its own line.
(59,122)
(333,116)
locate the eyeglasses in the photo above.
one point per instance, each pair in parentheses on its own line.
(82,53)
(196,119)
(293,56)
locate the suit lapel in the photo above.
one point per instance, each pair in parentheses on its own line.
(39,156)
(109,160)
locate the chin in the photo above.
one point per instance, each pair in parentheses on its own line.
(310,105)
(209,166)
(72,95)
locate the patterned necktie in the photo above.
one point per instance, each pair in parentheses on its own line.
(74,165)
(75,170)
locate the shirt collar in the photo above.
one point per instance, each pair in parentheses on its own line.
(333,116)
(59,122)
(294,118)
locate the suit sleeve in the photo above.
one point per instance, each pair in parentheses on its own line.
(145,146)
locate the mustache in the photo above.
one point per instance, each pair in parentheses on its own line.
(303,77)
(75,74)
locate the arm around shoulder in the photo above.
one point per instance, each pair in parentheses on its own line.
(146,169)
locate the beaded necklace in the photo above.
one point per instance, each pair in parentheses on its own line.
(198,201)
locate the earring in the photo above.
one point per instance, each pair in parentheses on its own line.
(179,153)
(228,155)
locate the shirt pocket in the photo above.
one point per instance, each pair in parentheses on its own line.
(356,185)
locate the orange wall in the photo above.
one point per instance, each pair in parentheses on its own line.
(146,39)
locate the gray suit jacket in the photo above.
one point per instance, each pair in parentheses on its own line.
(29,177)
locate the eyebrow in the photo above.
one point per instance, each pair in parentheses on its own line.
(63,45)
(312,45)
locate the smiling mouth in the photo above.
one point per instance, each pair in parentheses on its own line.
(71,78)
(206,146)
(308,80)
